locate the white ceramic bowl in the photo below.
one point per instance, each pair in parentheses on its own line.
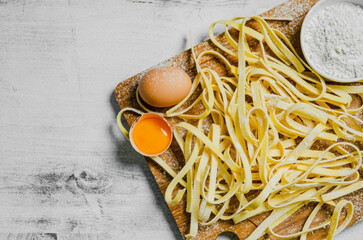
(315,10)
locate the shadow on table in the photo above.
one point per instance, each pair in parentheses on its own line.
(127,156)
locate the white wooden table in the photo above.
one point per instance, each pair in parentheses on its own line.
(65,170)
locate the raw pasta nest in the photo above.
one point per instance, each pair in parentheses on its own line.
(268,118)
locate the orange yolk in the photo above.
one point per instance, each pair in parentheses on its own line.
(152,135)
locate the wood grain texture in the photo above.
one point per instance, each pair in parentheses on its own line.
(125,95)
(60,61)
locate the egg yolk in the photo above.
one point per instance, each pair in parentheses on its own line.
(151,135)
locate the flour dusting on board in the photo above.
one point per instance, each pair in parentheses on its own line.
(295,10)
(334,41)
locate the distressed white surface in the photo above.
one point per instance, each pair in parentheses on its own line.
(59,64)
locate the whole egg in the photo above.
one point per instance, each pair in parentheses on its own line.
(164,86)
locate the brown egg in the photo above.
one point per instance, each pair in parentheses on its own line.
(164,86)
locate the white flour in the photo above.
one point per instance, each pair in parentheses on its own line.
(334,41)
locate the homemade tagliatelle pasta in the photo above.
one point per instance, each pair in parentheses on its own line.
(277,130)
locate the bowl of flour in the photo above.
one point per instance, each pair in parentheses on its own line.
(332,39)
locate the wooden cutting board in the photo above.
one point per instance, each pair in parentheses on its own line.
(125,95)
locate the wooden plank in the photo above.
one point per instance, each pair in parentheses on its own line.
(125,95)
(59,63)
(27,236)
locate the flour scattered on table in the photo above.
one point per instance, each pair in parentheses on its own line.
(334,41)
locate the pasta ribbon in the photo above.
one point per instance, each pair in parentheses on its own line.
(272,135)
